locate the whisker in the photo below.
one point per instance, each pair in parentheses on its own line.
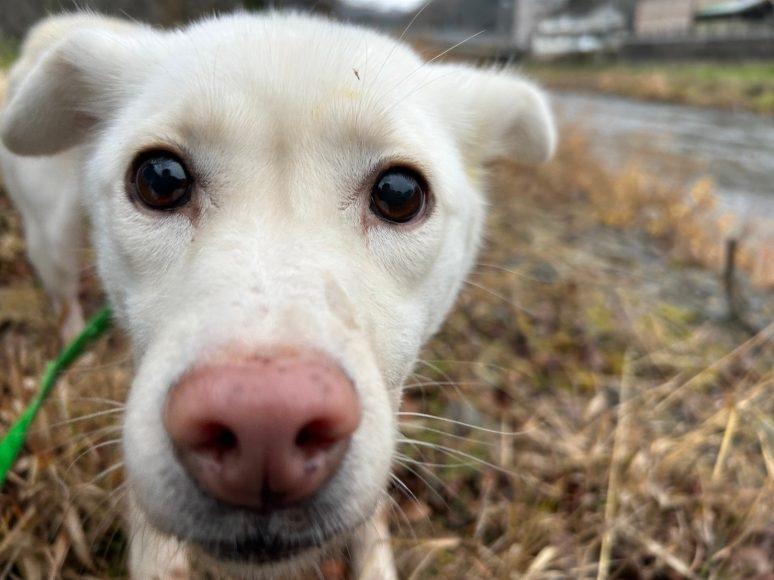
(92,448)
(394,505)
(447,378)
(406,491)
(121,488)
(417,89)
(500,297)
(109,518)
(44,429)
(456,46)
(446,434)
(446,384)
(111,498)
(427,483)
(422,66)
(104,473)
(74,440)
(470,363)
(117,404)
(406,459)
(510,271)
(399,42)
(87,417)
(456,452)
(462,424)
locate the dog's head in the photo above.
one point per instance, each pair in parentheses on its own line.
(284,211)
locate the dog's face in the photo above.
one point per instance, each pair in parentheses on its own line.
(273,184)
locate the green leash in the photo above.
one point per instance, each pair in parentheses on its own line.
(12,442)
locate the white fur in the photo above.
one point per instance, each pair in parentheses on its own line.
(282,118)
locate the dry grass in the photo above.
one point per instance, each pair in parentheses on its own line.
(591,401)
(745,86)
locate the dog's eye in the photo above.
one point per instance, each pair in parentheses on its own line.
(399,195)
(161,181)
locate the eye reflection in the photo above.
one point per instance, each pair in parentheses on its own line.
(161,182)
(398,196)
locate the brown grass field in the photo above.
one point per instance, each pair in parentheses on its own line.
(587,411)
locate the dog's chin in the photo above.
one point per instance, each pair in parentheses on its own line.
(288,549)
(287,538)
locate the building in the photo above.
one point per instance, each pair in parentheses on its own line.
(527,14)
(663,17)
(672,18)
(602,28)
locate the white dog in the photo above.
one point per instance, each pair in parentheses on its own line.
(284,209)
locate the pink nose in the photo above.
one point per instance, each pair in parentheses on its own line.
(266,432)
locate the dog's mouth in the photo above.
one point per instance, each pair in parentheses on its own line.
(261,549)
(242,537)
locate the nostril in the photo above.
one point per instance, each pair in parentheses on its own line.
(216,439)
(316,436)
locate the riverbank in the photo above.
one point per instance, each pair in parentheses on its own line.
(626,417)
(680,145)
(739,86)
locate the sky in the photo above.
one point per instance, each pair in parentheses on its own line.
(387,4)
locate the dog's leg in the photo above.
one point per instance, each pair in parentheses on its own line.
(53,231)
(53,250)
(372,557)
(50,248)
(153,556)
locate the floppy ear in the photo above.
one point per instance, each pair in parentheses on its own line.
(73,87)
(495,114)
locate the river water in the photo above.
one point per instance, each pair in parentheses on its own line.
(735,149)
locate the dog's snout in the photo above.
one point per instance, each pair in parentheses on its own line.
(266,432)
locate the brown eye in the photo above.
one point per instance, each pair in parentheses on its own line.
(399,195)
(161,181)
